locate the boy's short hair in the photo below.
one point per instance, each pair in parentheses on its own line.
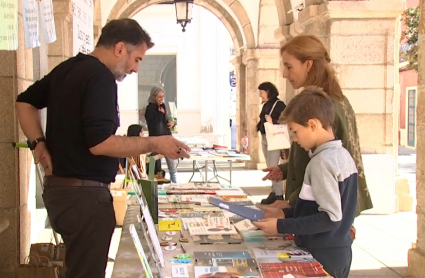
(311,103)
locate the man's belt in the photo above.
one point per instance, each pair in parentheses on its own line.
(53,181)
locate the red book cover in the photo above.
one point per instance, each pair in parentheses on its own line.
(277,270)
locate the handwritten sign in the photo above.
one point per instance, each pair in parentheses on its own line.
(82,11)
(47,20)
(8,24)
(31,20)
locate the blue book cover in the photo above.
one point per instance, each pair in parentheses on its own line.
(246,212)
(222,255)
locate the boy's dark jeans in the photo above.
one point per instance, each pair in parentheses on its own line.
(85,218)
(336,260)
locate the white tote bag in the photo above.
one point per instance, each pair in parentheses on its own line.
(277,135)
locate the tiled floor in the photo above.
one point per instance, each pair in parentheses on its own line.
(382,241)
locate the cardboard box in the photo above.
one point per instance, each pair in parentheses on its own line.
(48,254)
(120,205)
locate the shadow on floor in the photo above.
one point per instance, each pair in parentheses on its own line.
(369,273)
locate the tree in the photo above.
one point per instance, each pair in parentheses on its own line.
(409,37)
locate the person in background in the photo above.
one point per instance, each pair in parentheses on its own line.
(272,108)
(326,205)
(307,63)
(137,131)
(157,118)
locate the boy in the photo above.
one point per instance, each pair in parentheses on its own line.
(326,205)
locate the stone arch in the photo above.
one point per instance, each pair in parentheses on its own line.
(241,37)
(268,22)
(283,6)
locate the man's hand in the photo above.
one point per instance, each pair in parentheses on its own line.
(170,147)
(42,156)
(274,174)
(267,225)
(280,204)
(273,212)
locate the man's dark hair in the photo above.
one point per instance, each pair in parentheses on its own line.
(124,30)
(311,103)
(270,88)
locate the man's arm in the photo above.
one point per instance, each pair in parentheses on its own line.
(29,103)
(122,146)
(29,119)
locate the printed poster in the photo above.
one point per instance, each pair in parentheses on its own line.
(31,23)
(82,11)
(8,24)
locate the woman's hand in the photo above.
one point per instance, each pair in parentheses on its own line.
(171,124)
(269,119)
(160,109)
(273,173)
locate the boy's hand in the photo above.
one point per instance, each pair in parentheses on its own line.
(267,225)
(280,204)
(273,213)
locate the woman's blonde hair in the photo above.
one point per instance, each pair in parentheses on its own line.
(321,74)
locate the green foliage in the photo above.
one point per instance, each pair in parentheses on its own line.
(409,37)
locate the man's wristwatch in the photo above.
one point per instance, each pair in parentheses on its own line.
(36,141)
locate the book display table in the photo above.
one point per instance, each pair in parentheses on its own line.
(196,239)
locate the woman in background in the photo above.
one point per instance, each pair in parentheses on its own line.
(272,108)
(160,123)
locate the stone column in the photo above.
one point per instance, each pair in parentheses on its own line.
(363,40)
(261,65)
(19,69)
(252,107)
(417,253)
(241,126)
(62,48)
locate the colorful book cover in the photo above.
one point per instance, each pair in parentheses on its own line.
(226,271)
(227,262)
(217,239)
(277,270)
(211,230)
(259,236)
(280,254)
(248,213)
(221,255)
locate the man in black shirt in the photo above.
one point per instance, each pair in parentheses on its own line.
(80,151)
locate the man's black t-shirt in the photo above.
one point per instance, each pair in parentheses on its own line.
(82,111)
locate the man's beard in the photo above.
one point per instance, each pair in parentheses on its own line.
(119,71)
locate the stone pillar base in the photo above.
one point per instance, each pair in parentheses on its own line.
(416,263)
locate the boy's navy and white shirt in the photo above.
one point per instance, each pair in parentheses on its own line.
(326,205)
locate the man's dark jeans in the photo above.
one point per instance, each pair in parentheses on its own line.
(85,218)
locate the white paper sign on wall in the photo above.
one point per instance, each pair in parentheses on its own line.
(82,11)
(8,25)
(47,20)
(31,23)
